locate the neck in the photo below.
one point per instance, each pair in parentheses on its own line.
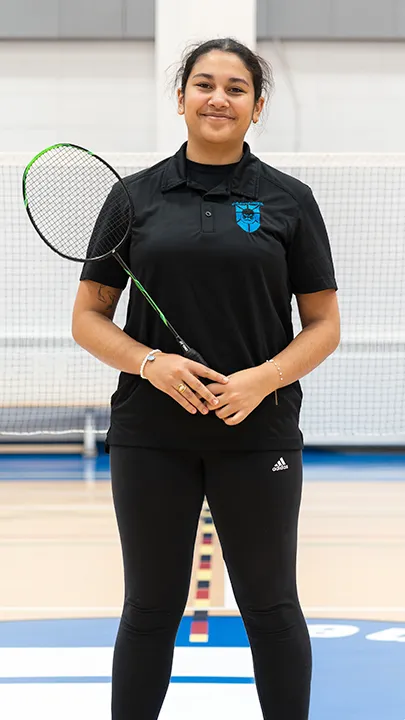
(206,153)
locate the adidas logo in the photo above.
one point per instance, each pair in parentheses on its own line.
(280,465)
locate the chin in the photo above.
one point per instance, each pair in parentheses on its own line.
(219,137)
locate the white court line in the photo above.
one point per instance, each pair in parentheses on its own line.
(97,662)
(336,510)
(59,608)
(81,609)
(48,476)
(342,608)
(84,701)
(101,542)
(61,507)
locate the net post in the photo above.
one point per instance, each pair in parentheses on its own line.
(89,438)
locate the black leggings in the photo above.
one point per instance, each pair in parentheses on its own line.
(158,496)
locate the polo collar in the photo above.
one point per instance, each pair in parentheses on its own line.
(245,179)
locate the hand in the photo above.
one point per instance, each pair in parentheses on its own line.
(168,371)
(243,393)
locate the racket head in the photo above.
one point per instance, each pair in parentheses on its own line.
(77,202)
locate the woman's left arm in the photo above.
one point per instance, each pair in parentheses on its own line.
(319,338)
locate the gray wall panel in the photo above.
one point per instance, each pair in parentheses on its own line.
(261,19)
(140,19)
(90,19)
(28,18)
(289,19)
(399,17)
(363,18)
(295,19)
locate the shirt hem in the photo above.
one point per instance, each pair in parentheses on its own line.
(255,445)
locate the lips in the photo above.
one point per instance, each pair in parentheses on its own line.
(217,117)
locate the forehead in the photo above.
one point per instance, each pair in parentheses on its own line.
(221,65)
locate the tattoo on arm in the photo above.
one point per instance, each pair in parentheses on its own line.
(107,297)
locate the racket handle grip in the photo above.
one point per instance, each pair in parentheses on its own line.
(194,355)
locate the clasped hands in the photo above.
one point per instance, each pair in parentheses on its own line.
(232,398)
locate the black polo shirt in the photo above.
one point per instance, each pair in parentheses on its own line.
(222,265)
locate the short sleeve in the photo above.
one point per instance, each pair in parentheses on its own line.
(310,262)
(108,271)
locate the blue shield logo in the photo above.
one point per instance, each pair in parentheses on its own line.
(248,215)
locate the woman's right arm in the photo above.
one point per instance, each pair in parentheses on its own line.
(93,329)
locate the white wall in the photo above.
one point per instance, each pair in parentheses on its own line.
(96,94)
(196,26)
(335,97)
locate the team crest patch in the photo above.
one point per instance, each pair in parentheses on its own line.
(248,215)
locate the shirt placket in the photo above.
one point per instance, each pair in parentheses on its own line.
(207,216)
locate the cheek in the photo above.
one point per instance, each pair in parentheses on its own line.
(245,114)
(191,106)
(191,110)
(192,102)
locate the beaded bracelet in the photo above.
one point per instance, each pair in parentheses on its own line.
(149,356)
(280,372)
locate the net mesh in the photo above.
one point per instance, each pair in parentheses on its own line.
(76,202)
(357,396)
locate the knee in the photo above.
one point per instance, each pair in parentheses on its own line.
(149,620)
(279,619)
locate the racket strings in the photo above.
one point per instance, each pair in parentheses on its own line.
(77,203)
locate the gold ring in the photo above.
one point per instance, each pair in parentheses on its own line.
(181,388)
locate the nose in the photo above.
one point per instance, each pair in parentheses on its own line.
(218,99)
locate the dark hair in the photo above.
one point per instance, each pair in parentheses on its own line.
(259,68)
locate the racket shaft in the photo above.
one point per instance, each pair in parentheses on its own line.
(188,352)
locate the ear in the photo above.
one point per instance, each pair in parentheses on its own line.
(180,102)
(258,110)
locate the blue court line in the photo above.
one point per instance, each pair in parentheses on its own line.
(319,456)
(104,680)
(335,465)
(311,455)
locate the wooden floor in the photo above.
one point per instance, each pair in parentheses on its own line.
(60,554)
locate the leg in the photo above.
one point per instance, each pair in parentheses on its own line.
(255,512)
(158,497)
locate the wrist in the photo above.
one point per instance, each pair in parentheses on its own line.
(269,377)
(148,360)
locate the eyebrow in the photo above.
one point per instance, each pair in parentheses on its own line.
(232,79)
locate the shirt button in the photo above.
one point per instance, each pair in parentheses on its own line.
(208,213)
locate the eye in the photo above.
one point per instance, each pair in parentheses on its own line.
(238,90)
(203,85)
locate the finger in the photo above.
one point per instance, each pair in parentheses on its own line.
(222,401)
(224,412)
(192,398)
(202,390)
(215,388)
(235,419)
(203,371)
(178,397)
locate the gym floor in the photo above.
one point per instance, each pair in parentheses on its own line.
(61,590)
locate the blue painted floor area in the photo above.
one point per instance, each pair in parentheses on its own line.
(319,464)
(49,468)
(359,667)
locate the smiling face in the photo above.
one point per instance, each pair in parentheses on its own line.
(219,100)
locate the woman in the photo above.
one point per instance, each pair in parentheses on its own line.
(221,241)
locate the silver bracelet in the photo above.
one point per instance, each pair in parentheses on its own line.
(280,372)
(150,356)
